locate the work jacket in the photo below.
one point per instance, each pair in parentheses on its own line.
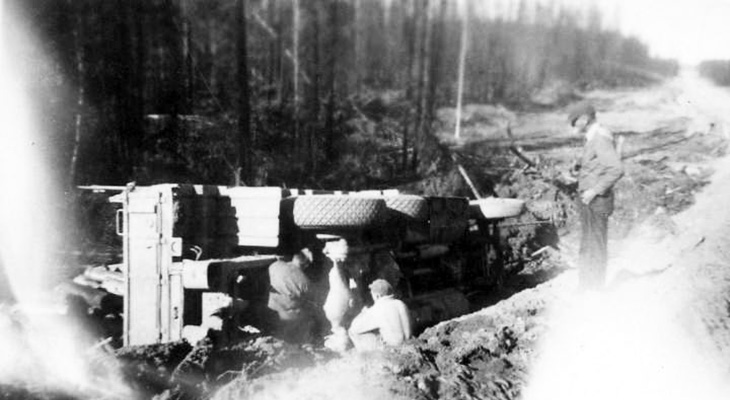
(600,165)
(289,287)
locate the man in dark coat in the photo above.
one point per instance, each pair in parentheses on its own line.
(600,169)
(289,297)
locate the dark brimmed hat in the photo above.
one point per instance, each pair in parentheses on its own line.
(381,287)
(580,110)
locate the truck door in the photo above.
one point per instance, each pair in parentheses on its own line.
(142,259)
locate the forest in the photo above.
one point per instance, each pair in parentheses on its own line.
(320,94)
(717,71)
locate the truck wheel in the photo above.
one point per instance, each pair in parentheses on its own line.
(337,212)
(409,207)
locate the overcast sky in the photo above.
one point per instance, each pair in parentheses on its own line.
(689,30)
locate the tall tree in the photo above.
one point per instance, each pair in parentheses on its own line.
(357,44)
(296,22)
(128,122)
(78,34)
(138,84)
(177,91)
(312,90)
(274,53)
(187,58)
(245,144)
(422,79)
(427,143)
(410,30)
(464,14)
(331,80)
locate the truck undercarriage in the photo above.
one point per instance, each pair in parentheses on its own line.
(196,257)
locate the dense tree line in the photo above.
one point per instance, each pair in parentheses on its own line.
(717,71)
(272,91)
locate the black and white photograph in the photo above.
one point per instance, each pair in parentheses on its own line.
(364,199)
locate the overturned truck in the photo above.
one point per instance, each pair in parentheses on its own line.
(193,250)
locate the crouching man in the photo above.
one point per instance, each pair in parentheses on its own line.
(289,298)
(386,322)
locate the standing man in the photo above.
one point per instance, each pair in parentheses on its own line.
(599,170)
(386,322)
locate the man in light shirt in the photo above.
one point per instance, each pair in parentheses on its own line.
(386,322)
(600,169)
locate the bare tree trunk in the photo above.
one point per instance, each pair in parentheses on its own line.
(410,27)
(243,163)
(332,78)
(427,146)
(128,128)
(177,75)
(357,39)
(281,74)
(309,143)
(186,37)
(273,56)
(462,63)
(434,74)
(425,16)
(434,62)
(211,55)
(80,97)
(295,78)
(140,80)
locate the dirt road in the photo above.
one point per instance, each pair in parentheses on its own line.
(662,330)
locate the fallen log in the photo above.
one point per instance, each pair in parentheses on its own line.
(464,175)
(516,150)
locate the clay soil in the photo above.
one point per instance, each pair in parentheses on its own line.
(660,330)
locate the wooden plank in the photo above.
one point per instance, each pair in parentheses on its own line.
(258,227)
(253,192)
(253,207)
(255,241)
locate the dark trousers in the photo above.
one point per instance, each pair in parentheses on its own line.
(593,255)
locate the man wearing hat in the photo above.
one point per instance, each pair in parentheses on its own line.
(387,321)
(599,170)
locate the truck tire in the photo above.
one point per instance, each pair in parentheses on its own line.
(408,207)
(322,212)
